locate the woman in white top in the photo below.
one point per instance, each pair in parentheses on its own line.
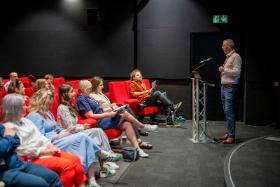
(107,106)
(37,148)
(67,117)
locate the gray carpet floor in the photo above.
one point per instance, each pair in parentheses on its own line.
(254,163)
(176,161)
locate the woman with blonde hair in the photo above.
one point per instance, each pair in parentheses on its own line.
(78,143)
(89,108)
(40,83)
(37,148)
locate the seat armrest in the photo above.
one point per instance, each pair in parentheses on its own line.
(128,101)
(133,104)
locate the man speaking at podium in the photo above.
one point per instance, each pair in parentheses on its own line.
(230,74)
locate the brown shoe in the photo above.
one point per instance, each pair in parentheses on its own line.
(224,137)
(229,140)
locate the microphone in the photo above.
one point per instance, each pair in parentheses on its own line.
(206,60)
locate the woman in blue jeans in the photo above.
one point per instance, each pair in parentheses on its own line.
(14,172)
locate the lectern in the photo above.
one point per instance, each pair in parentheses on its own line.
(199,119)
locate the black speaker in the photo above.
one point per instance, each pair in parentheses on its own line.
(92,16)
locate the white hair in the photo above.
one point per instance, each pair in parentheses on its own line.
(84,84)
(230,42)
(12,106)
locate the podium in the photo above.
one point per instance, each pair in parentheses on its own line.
(199,118)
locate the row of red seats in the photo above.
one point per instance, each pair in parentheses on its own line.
(57,82)
(119,93)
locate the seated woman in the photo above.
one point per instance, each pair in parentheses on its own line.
(16,86)
(41,83)
(107,106)
(89,108)
(14,172)
(150,97)
(37,148)
(67,117)
(79,143)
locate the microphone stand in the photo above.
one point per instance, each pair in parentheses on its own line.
(199,66)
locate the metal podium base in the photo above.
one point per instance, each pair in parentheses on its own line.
(206,140)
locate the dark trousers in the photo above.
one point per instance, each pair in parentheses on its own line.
(159,99)
(30,175)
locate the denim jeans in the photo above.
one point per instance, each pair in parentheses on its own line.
(31,175)
(228,95)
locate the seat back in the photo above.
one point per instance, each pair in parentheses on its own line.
(118,92)
(57,82)
(25,81)
(55,106)
(29,91)
(147,82)
(74,83)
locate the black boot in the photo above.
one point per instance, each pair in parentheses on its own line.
(170,118)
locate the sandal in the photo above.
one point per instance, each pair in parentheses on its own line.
(145,145)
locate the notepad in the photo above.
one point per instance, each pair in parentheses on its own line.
(121,108)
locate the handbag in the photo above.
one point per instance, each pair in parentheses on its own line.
(130,154)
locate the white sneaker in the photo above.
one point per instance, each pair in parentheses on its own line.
(107,172)
(177,106)
(110,156)
(142,153)
(93,183)
(111,165)
(149,127)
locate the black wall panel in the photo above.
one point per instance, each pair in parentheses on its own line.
(164,28)
(54,37)
(163,53)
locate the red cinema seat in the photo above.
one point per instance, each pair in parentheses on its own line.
(55,106)
(119,93)
(57,82)
(25,81)
(29,91)
(74,83)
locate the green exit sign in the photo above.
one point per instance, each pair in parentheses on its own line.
(220,19)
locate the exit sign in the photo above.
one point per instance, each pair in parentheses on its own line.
(220,19)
